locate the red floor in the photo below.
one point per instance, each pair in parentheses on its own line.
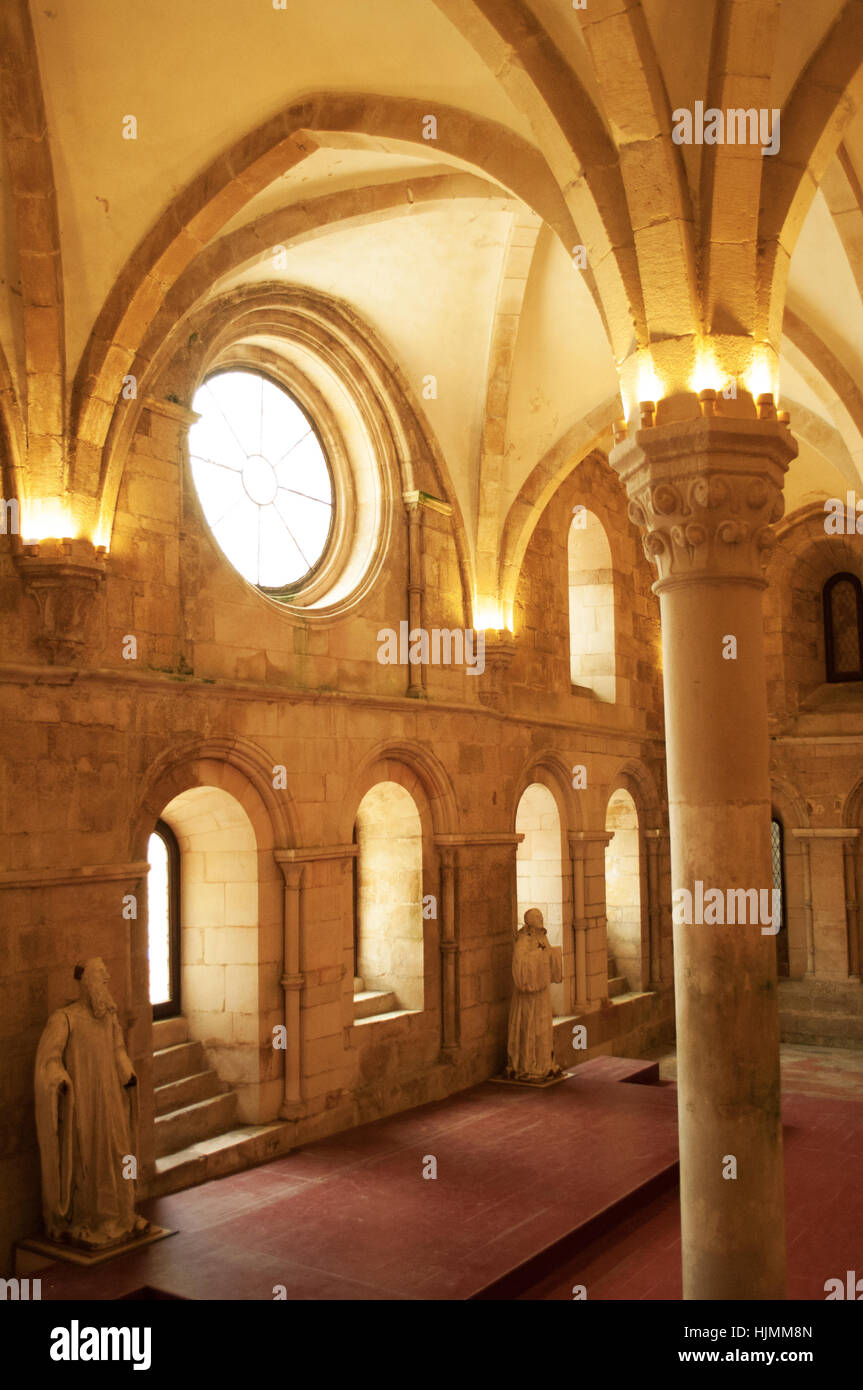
(823,1146)
(353,1218)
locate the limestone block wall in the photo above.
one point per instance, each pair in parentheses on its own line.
(542,667)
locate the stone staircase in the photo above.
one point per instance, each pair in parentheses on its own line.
(616,983)
(191,1103)
(369,1003)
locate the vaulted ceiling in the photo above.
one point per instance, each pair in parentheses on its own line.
(305,128)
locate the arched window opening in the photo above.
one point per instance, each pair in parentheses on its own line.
(777,850)
(218,914)
(163,921)
(389,952)
(591,606)
(843,627)
(626,963)
(263,479)
(539,875)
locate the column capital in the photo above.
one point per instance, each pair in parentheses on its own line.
(586,837)
(705,493)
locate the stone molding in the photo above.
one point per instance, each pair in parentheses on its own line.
(842,833)
(82,877)
(313,853)
(705,494)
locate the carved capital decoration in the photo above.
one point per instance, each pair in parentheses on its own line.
(62,577)
(499,652)
(705,494)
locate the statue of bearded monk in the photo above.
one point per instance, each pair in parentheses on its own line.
(86,1119)
(536,966)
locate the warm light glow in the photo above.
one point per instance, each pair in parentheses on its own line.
(488,613)
(759,378)
(650,388)
(706,375)
(45,518)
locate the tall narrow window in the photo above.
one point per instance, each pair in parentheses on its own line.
(163,925)
(778,855)
(843,627)
(591,606)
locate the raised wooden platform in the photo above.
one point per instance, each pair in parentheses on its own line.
(519,1171)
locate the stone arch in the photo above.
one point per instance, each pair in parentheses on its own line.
(240,767)
(577,145)
(413,959)
(658,202)
(34,199)
(543,879)
(625,880)
(822,102)
(416,769)
(512,286)
(844,398)
(331,333)
(580,443)
(633,894)
(731,176)
(592,626)
(552,771)
(198,213)
(389,933)
(804,558)
(237,773)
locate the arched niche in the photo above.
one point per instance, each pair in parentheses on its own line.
(627,946)
(238,1044)
(219,929)
(591,606)
(539,870)
(389,931)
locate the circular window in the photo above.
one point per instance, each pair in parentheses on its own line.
(262,477)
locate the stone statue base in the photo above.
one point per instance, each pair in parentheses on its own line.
(51,1250)
(534,1085)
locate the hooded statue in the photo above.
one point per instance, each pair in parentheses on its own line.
(536,966)
(86,1119)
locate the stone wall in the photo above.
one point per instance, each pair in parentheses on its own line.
(296,719)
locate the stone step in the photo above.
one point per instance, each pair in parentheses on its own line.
(167,1032)
(201,1085)
(821,1030)
(203,1120)
(372,1002)
(182,1059)
(230,1152)
(616,985)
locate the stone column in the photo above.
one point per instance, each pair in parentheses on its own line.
(478,921)
(590,925)
(416,585)
(654,840)
(292,984)
(449,954)
(292,863)
(802,836)
(705,492)
(852,906)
